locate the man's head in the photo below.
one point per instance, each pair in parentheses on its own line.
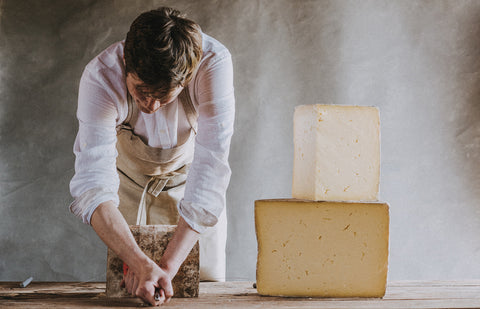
(162,52)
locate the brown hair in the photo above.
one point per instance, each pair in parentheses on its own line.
(163,48)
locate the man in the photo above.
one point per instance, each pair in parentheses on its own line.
(163,101)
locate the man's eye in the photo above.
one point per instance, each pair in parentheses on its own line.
(145,94)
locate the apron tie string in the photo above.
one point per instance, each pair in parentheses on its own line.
(155,186)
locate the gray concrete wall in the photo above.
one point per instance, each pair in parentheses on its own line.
(418,61)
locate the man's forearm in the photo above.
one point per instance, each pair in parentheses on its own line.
(111,227)
(179,247)
(143,276)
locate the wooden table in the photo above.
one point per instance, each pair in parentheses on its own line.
(400,294)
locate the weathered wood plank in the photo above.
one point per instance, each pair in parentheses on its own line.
(53,288)
(411,294)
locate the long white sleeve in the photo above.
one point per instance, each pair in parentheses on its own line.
(96,179)
(210,172)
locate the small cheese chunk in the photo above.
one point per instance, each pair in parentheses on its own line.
(337,153)
(321,249)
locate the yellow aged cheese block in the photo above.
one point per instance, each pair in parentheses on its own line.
(321,249)
(336,153)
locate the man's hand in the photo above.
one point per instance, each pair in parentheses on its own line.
(145,275)
(144,284)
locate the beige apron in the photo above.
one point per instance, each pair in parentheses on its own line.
(150,188)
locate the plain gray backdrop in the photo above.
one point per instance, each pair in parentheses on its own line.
(418,61)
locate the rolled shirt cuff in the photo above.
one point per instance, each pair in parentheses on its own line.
(197,218)
(85,204)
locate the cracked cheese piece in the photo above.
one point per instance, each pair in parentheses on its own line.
(153,240)
(321,249)
(336,153)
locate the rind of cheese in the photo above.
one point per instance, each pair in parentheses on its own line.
(153,240)
(336,153)
(321,249)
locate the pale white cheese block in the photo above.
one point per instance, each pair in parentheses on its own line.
(336,153)
(321,249)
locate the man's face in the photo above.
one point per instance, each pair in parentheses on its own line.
(147,100)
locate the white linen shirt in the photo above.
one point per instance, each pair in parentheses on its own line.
(102,106)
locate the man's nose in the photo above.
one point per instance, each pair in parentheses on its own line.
(152,103)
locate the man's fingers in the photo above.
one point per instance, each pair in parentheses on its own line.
(129,282)
(166,287)
(146,282)
(135,285)
(162,297)
(147,294)
(162,294)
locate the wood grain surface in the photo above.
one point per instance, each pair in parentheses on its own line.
(400,294)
